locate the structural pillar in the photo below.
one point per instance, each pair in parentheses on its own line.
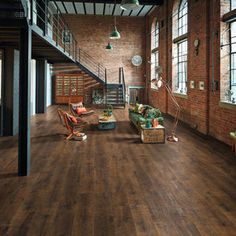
(10,95)
(41,86)
(24,101)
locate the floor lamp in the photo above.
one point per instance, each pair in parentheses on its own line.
(159,82)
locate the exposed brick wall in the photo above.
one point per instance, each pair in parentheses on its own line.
(92,34)
(201,108)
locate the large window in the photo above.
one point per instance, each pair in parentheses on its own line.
(232,4)
(232,85)
(183,18)
(180,48)
(182,66)
(154,52)
(228,54)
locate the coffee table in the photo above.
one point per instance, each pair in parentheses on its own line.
(106,123)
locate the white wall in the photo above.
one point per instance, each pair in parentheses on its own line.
(49,86)
(33,87)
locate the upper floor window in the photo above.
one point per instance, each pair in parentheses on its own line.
(156,36)
(154,52)
(228,53)
(180,47)
(183,18)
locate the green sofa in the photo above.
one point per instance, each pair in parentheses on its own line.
(138,119)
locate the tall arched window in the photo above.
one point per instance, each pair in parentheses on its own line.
(183,18)
(228,53)
(180,48)
(154,51)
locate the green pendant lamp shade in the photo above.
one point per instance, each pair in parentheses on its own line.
(109,46)
(129,4)
(115,34)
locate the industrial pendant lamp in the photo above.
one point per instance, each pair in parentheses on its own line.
(129,4)
(115,33)
(109,46)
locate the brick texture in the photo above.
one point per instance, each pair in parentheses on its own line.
(201,109)
(92,35)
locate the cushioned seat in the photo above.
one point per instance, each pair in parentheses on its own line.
(138,118)
(77,109)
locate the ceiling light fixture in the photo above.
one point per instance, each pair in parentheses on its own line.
(115,34)
(109,46)
(129,4)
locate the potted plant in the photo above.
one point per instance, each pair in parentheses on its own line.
(108,110)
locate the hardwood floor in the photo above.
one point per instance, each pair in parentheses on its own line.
(112,184)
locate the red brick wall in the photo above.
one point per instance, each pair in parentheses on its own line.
(200,109)
(92,34)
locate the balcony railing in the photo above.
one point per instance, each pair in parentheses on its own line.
(47,16)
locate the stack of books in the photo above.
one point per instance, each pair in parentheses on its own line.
(81,137)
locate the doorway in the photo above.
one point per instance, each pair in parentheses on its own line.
(136,94)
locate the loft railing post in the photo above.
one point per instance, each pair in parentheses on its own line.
(70,43)
(64,41)
(105,86)
(98,70)
(46,17)
(79,54)
(57,29)
(119,75)
(31,12)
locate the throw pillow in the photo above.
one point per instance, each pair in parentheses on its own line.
(140,108)
(76,105)
(80,110)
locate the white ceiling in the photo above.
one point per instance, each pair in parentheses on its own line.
(108,9)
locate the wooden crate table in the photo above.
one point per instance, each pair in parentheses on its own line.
(152,135)
(106,123)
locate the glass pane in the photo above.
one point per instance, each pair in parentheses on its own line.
(233,4)
(182,67)
(183,18)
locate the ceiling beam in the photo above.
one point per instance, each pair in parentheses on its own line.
(141,2)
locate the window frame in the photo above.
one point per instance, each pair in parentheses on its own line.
(181,60)
(230,57)
(183,63)
(231,9)
(155,52)
(182,26)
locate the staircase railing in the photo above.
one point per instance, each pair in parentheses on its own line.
(47,16)
(105,87)
(91,64)
(122,81)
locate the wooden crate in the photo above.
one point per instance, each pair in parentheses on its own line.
(152,135)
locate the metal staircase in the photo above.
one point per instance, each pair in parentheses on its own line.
(95,73)
(114,92)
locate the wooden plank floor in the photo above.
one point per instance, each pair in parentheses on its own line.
(111,184)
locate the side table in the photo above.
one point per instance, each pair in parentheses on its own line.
(152,135)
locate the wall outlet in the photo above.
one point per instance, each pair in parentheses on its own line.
(192,84)
(201,85)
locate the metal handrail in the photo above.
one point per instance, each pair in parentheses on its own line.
(91,64)
(49,19)
(122,79)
